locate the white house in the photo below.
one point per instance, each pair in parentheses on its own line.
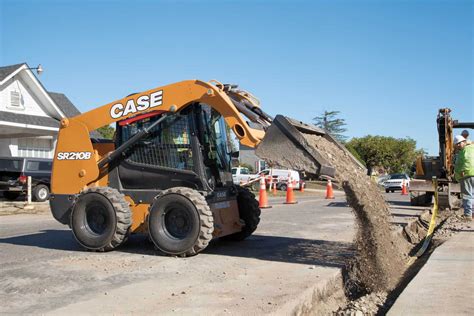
(29,114)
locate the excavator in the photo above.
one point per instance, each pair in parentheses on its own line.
(167,172)
(441,167)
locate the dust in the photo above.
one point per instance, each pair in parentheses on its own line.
(380,259)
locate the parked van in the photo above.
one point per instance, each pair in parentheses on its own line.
(281,176)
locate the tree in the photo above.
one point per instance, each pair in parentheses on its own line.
(106,131)
(392,154)
(333,125)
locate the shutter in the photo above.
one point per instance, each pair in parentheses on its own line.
(15,99)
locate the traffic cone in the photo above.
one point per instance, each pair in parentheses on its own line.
(262,196)
(290,198)
(404,188)
(329,191)
(301,186)
(274,188)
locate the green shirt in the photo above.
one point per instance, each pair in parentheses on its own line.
(465,163)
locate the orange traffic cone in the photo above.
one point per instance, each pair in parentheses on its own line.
(274,188)
(262,196)
(329,191)
(290,198)
(301,186)
(404,188)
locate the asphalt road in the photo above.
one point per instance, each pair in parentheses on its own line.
(296,249)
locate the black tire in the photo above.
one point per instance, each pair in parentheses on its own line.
(11,196)
(180,222)
(41,193)
(387,191)
(249,212)
(283,187)
(393,191)
(101,219)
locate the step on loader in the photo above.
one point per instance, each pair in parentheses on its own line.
(167,172)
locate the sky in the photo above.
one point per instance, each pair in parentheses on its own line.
(387,66)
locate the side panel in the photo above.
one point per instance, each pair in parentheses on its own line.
(75,162)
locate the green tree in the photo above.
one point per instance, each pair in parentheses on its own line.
(333,125)
(106,131)
(392,154)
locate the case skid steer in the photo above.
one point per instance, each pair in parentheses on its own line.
(167,173)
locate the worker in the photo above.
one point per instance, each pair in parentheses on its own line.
(465,134)
(464,174)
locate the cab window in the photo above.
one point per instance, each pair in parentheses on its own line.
(167,145)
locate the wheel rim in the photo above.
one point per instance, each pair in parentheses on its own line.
(96,219)
(177,221)
(42,193)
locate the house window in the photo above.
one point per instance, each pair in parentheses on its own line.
(15,99)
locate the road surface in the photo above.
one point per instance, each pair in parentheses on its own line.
(295,250)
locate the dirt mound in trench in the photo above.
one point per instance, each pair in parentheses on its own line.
(380,261)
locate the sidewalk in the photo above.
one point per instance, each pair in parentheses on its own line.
(445,284)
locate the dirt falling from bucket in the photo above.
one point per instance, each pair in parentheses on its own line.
(380,261)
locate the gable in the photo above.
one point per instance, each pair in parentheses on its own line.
(29,102)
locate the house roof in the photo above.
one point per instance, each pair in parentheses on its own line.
(64,104)
(7,70)
(28,119)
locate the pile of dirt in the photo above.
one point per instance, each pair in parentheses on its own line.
(380,260)
(367,305)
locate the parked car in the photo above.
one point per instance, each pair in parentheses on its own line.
(14,173)
(395,182)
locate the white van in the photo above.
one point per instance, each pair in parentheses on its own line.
(281,175)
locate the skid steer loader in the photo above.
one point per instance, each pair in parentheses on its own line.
(167,173)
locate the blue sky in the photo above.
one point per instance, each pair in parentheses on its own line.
(388,66)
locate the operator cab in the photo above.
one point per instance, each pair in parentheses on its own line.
(187,149)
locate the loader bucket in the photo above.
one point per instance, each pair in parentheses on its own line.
(284,145)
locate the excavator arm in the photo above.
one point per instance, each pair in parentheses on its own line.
(76,163)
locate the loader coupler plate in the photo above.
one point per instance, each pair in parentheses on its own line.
(284,145)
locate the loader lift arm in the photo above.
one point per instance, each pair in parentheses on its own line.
(74,142)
